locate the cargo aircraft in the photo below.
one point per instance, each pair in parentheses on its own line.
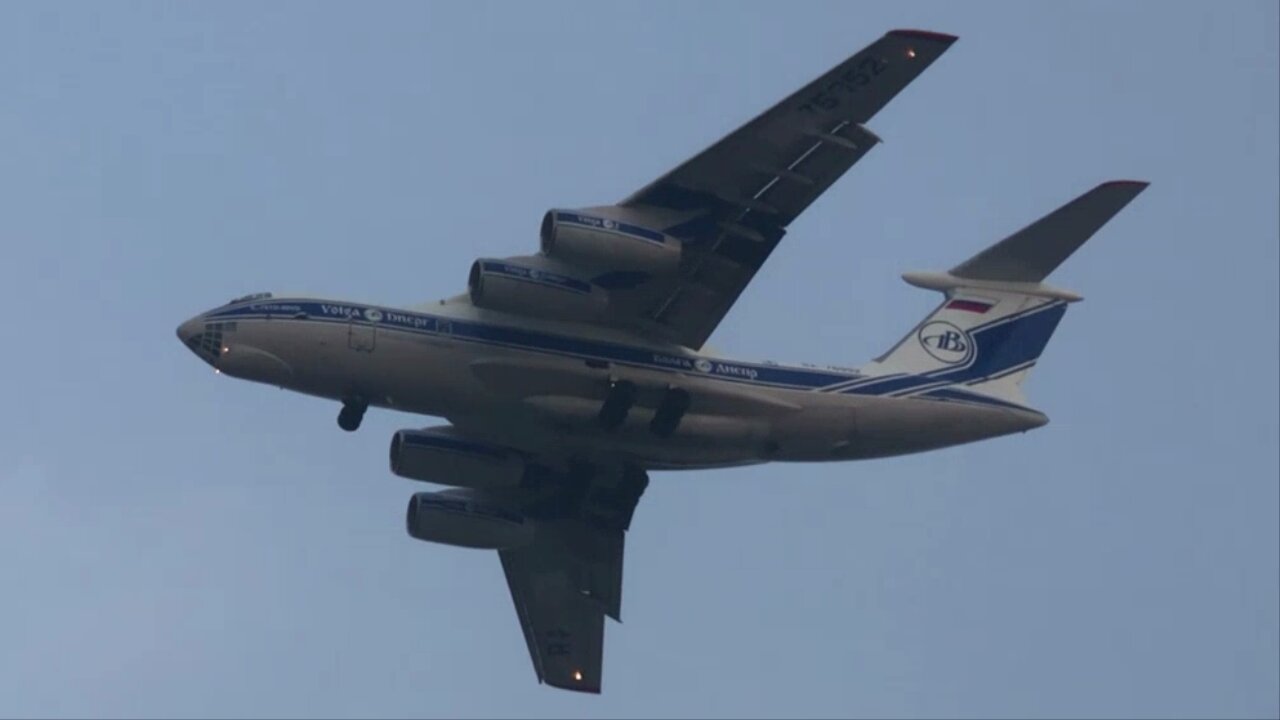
(566,376)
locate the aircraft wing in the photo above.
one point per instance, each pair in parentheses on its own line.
(569,579)
(746,188)
(562,593)
(707,227)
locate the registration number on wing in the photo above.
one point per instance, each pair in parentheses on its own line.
(844,85)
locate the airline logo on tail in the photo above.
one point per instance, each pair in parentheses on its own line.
(946,342)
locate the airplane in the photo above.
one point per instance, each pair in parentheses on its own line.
(568,375)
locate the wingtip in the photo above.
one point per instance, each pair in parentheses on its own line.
(576,687)
(924,35)
(1138,185)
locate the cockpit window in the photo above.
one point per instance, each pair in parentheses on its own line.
(209,344)
(251,296)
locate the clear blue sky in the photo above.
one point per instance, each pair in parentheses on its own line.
(178,544)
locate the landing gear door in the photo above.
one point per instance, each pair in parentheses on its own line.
(362,330)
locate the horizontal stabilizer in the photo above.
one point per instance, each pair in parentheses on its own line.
(1029,255)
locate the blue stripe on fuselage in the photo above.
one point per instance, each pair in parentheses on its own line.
(409,321)
(539,341)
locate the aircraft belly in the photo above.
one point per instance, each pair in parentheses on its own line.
(423,375)
(822,432)
(396,370)
(896,426)
(542,401)
(559,401)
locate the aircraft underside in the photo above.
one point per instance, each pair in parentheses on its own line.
(565,376)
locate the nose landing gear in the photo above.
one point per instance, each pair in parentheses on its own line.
(351,414)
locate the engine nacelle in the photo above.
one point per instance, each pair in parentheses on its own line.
(441,456)
(586,239)
(509,287)
(466,519)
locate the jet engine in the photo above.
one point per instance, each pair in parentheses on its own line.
(466,519)
(441,456)
(577,238)
(510,287)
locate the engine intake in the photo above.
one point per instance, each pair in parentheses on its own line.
(439,455)
(510,287)
(466,519)
(598,241)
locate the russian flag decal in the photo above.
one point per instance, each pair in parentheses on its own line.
(974,306)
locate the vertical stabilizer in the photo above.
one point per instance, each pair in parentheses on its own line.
(998,314)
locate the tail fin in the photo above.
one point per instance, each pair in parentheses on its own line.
(998,315)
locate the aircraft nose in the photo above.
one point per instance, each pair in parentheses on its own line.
(190,329)
(195,334)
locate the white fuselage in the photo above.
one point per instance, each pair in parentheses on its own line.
(538,386)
